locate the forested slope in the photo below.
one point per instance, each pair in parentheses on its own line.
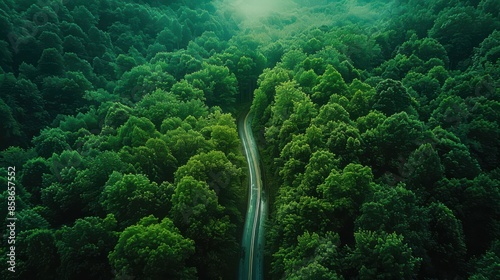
(378,125)
(382,134)
(115,115)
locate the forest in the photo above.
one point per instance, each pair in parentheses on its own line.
(377,124)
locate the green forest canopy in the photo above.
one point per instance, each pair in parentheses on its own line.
(377,121)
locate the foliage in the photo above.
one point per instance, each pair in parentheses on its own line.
(152,249)
(377,124)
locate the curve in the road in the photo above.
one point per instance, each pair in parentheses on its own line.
(251,263)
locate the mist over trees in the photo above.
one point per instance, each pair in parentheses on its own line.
(377,124)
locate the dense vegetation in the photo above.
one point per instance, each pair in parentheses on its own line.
(378,125)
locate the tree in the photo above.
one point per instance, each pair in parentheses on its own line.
(10,126)
(92,180)
(455,157)
(266,91)
(154,160)
(143,79)
(75,64)
(51,63)
(225,139)
(83,17)
(423,169)
(168,39)
(392,141)
(292,59)
(460,29)
(37,254)
(293,159)
(381,255)
(5,54)
(32,177)
(131,197)
(219,85)
(295,216)
(391,97)
(399,66)
(73,44)
(330,82)
(64,95)
(359,105)
(423,88)
(50,141)
(135,132)
(196,211)
(180,63)
(286,95)
(321,163)
(22,107)
(84,248)
(424,49)
(290,114)
(396,209)
(486,267)
(185,91)
(185,143)
(50,40)
(345,140)
(313,270)
(347,191)
(31,218)
(152,249)
(221,175)
(331,112)
(249,67)
(157,106)
(307,80)
(447,247)
(60,193)
(370,121)
(450,113)
(313,257)
(483,137)
(481,213)
(116,115)
(488,50)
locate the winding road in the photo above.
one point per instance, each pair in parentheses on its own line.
(252,259)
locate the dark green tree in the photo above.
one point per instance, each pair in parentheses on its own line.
(391,97)
(447,248)
(37,254)
(423,169)
(84,247)
(381,255)
(486,267)
(51,62)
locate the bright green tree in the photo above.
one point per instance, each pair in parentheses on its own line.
(131,197)
(331,82)
(152,249)
(197,212)
(218,84)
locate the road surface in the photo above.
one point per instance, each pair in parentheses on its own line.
(252,257)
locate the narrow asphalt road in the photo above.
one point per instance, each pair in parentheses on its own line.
(252,258)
